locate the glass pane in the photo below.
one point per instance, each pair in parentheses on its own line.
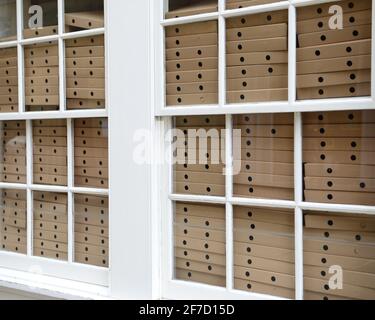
(236,4)
(199,155)
(192,64)
(264,161)
(182,8)
(83,15)
(334,60)
(13,234)
(50,225)
(40,18)
(13,155)
(91,153)
(85,73)
(50,152)
(91,230)
(8,20)
(339,256)
(257,57)
(264,251)
(339,157)
(42,77)
(8,80)
(200,243)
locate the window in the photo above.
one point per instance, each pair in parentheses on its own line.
(54,134)
(290,195)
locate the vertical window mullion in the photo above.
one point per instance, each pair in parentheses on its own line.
(29,179)
(61,48)
(298,187)
(229,207)
(222,55)
(20,58)
(70,171)
(292,54)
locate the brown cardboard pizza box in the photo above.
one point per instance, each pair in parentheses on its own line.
(192,28)
(91,162)
(50,254)
(92,62)
(13,159)
(348,290)
(8,62)
(257,71)
(322,23)
(202,189)
(85,104)
(270,278)
(192,76)
(86,200)
(42,100)
(332,79)
(84,83)
(91,230)
(182,53)
(8,52)
(50,170)
(85,20)
(40,72)
(322,10)
(91,259)
(316,296)
(40,32)
(339,144)
(263,192)
(90,219)
(54,208)
(45,215)
(278,216)
(50,160)
(85,41)
(263,227)
(8,81)
(366,280)
(257,83)
(91,142)
(203,39)
(200,277)
(267,180)
(200,210)
(193,9)
(91,173)
(48,150)
(351,90)
(8,99)
(259,95)
(208,268)
(41,81)
(85,93)
(347,263)
(200,222)
(334,50)
(91,249)
(259,19)
(361,62)
(189,99)
(353,236)
(276,168)
(192,64)
(189,88)
(200,256)
(50,226)
(51,245)
(50,236)
(95,73)
(202,245)
(261,288)
(257,32)
(340,184)
(88,51)
(13,247)
(92,211)
(51,197)
(265,155)
(41,62)
(339,157)
(199,121)
(90,239)
(91,123)
(14,222)
(258,143)
(335,222)
(12,238)
(91,152)
(8,72)
(50,141)
(264,238)
(342,197)
(199,177)
(267,130)
(91,132)
(210,168)
(339,130)
(182,230)
(44,50)
(249,261)
(257,45)
(273,253)
(13,169)
(255,58)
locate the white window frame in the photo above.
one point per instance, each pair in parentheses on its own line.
(131,273)
(177,289)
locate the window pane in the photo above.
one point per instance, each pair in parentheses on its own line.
(83,15)
(339,157)
(339,256)
(50,225)
(50,152)
(42,77)
(192,64)
(235,4)
(8,80)
(85,73)
(91,230)
(200,243)
(91,153)
(13,166)
(182,8)
(333,60)
(13,234)
(257,57)
(40,18)
(264,251)
(8,20)
(199,155)
(264,162)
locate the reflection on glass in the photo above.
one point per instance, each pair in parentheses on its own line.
(83,15)
(182,8)
(8,20)
(8,80)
